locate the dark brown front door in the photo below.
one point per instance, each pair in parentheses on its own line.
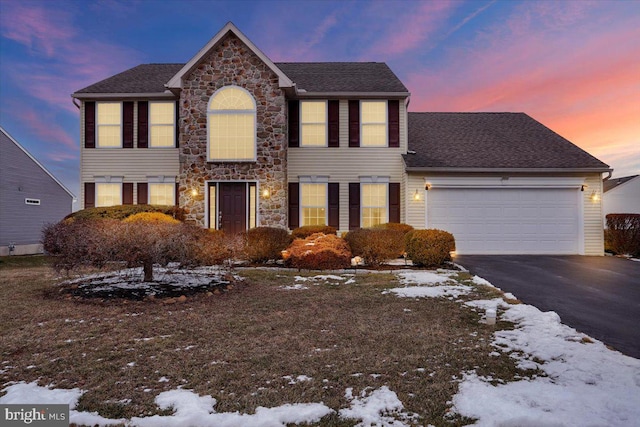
(232,212)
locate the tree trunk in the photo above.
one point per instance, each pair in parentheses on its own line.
(147,266)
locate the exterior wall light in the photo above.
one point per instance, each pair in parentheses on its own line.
(583,186)
(194,192)
(594,196)
(416,195)
(266,193)
(427,187)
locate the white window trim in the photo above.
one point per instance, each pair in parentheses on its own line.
(374,180)
(121,125)
(150,125)
(253,112)
(326,201)
(386,123)
(326,124)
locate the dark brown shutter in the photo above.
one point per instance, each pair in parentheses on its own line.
(294,123)
(334,204)
(89,125)
(177,194)
(127,193)
(143,193)
(393,111)
(127,124)
(89,195)
(143,124)
(177,125)
(354,205)
(334,123)
(294,205)
(394,202)
(354,123)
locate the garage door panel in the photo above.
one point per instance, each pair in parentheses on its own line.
(501,221)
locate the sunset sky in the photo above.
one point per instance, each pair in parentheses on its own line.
(574,66)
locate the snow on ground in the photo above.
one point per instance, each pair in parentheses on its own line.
(421,284)
(380,408)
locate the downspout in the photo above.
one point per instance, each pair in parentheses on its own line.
(74,102)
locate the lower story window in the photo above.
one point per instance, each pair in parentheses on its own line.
(162,194)
(108,194)
(313,204)
(374,204)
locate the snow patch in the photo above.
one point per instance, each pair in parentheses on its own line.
(380,408)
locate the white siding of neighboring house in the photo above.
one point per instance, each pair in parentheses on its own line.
(625,198)
(133,164)
(346,164)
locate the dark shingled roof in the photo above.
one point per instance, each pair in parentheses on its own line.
(342,76)
(612,183)
(145,78)
(311,76)
(490,140)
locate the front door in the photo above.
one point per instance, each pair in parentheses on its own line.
(232,212)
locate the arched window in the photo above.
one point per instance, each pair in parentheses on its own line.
(231,117)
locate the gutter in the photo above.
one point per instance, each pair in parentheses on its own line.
(510,170)
(120,96)
(304,94)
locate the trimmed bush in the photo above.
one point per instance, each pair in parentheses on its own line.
(308,230)
(121,212)
(263,244)
(623,234)
(429,248)
(318,252)
(153,217)
(376,245)
(403,228)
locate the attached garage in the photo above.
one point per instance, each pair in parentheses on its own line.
(507,220)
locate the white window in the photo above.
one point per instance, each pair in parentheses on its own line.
(313,123)
(108,194)
(374,204)
(162,124)
(374,124)
(232,125)
(162,194)
(109,124)
(313,204)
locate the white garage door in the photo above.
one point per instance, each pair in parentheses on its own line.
(507,221)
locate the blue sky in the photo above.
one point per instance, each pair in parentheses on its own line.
(574,66)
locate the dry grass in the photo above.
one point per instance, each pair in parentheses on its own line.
(237,346)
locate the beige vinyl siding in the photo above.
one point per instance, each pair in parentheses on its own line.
(346,164)
(133,164)
(593,223)
(415,209)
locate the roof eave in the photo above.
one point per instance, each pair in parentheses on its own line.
(508,170)
(621,184)
(176,81)
(136,95)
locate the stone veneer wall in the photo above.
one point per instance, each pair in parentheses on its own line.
(233,63)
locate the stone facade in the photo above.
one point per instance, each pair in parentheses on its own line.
(233,63)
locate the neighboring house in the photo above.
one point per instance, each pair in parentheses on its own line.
(30,197)
(621,195)
(240,141)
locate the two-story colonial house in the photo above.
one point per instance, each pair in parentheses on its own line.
(240,141)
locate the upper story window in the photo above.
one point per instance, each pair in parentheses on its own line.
(373,124)
(313,204)
(313,123)
(374,206)
(109,124)
(231,120)
(162,124)
(108,194)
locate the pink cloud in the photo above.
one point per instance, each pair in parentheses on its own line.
(46,128)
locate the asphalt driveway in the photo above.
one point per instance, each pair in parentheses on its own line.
(599,296)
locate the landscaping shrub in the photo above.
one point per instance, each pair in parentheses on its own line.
(429,248)
(203,246)
(153,217)
(318,252)
(263,244)
(623,234)
(308,230)
(376,245)
(403,228)
(123,211)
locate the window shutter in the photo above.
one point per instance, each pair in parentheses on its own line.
(334,123)
(143,124)
(177,194)
(177,127)
(89,125)
(354,123)
(127,193)
(143,193)
(294,123)
(394,202)
(127,124)
(334,205)
(354,205)
(294,205)
(393,110)
(89,195)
